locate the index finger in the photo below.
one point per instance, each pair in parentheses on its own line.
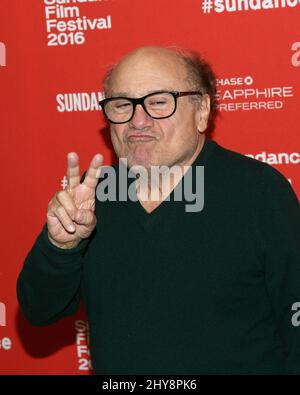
(73,175)
(93,173)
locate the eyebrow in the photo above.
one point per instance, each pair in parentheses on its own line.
(125,94)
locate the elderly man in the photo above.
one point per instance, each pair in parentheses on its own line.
(167,291)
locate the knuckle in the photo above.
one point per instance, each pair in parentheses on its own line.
(60,211)
(60,195)
(92,219)
(89,215)
(50,205)
(69,191)
(72,212)
(70,208)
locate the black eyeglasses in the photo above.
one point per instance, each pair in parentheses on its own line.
(157,105)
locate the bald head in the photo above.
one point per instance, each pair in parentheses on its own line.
(152,59)
(149,52)
(191,67)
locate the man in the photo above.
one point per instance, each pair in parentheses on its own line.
(167,291)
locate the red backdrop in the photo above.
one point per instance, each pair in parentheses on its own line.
(53,54)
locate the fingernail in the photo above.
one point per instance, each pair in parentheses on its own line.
(71,228)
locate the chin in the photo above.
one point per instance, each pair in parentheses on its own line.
(142,159)
(139,163)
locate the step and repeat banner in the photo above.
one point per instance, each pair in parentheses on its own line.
(53,56)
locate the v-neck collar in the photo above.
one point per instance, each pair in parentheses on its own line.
(146,219)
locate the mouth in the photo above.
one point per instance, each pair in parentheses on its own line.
(140,138)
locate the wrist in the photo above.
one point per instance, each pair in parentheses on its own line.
(64,246)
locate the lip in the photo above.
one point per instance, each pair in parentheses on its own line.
(141,137)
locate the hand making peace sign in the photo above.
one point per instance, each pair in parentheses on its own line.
(71,212)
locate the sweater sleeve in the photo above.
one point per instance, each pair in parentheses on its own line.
(279,218)
(49,284)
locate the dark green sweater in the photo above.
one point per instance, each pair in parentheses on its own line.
(173,292)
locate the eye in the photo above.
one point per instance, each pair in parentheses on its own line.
(158,101)
(122,105)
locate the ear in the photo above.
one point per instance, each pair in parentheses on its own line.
(203,113)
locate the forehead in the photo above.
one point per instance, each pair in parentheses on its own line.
(148,71)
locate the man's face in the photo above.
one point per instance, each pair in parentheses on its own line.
(151,142)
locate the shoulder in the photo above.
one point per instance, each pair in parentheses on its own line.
(252,173)
(234,162)
(237,160)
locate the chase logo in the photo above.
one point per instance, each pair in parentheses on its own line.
(2,314)
(2,54)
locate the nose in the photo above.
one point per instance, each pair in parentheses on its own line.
(140,119)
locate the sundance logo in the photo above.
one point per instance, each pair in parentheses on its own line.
(2,54)
(219,6)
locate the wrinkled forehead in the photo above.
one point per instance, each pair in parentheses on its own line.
(145,72)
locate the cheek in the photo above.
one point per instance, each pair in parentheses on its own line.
(177,131)
(116,139)
(180,135)
(116,133)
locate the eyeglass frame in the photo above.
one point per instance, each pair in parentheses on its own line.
(141,101)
